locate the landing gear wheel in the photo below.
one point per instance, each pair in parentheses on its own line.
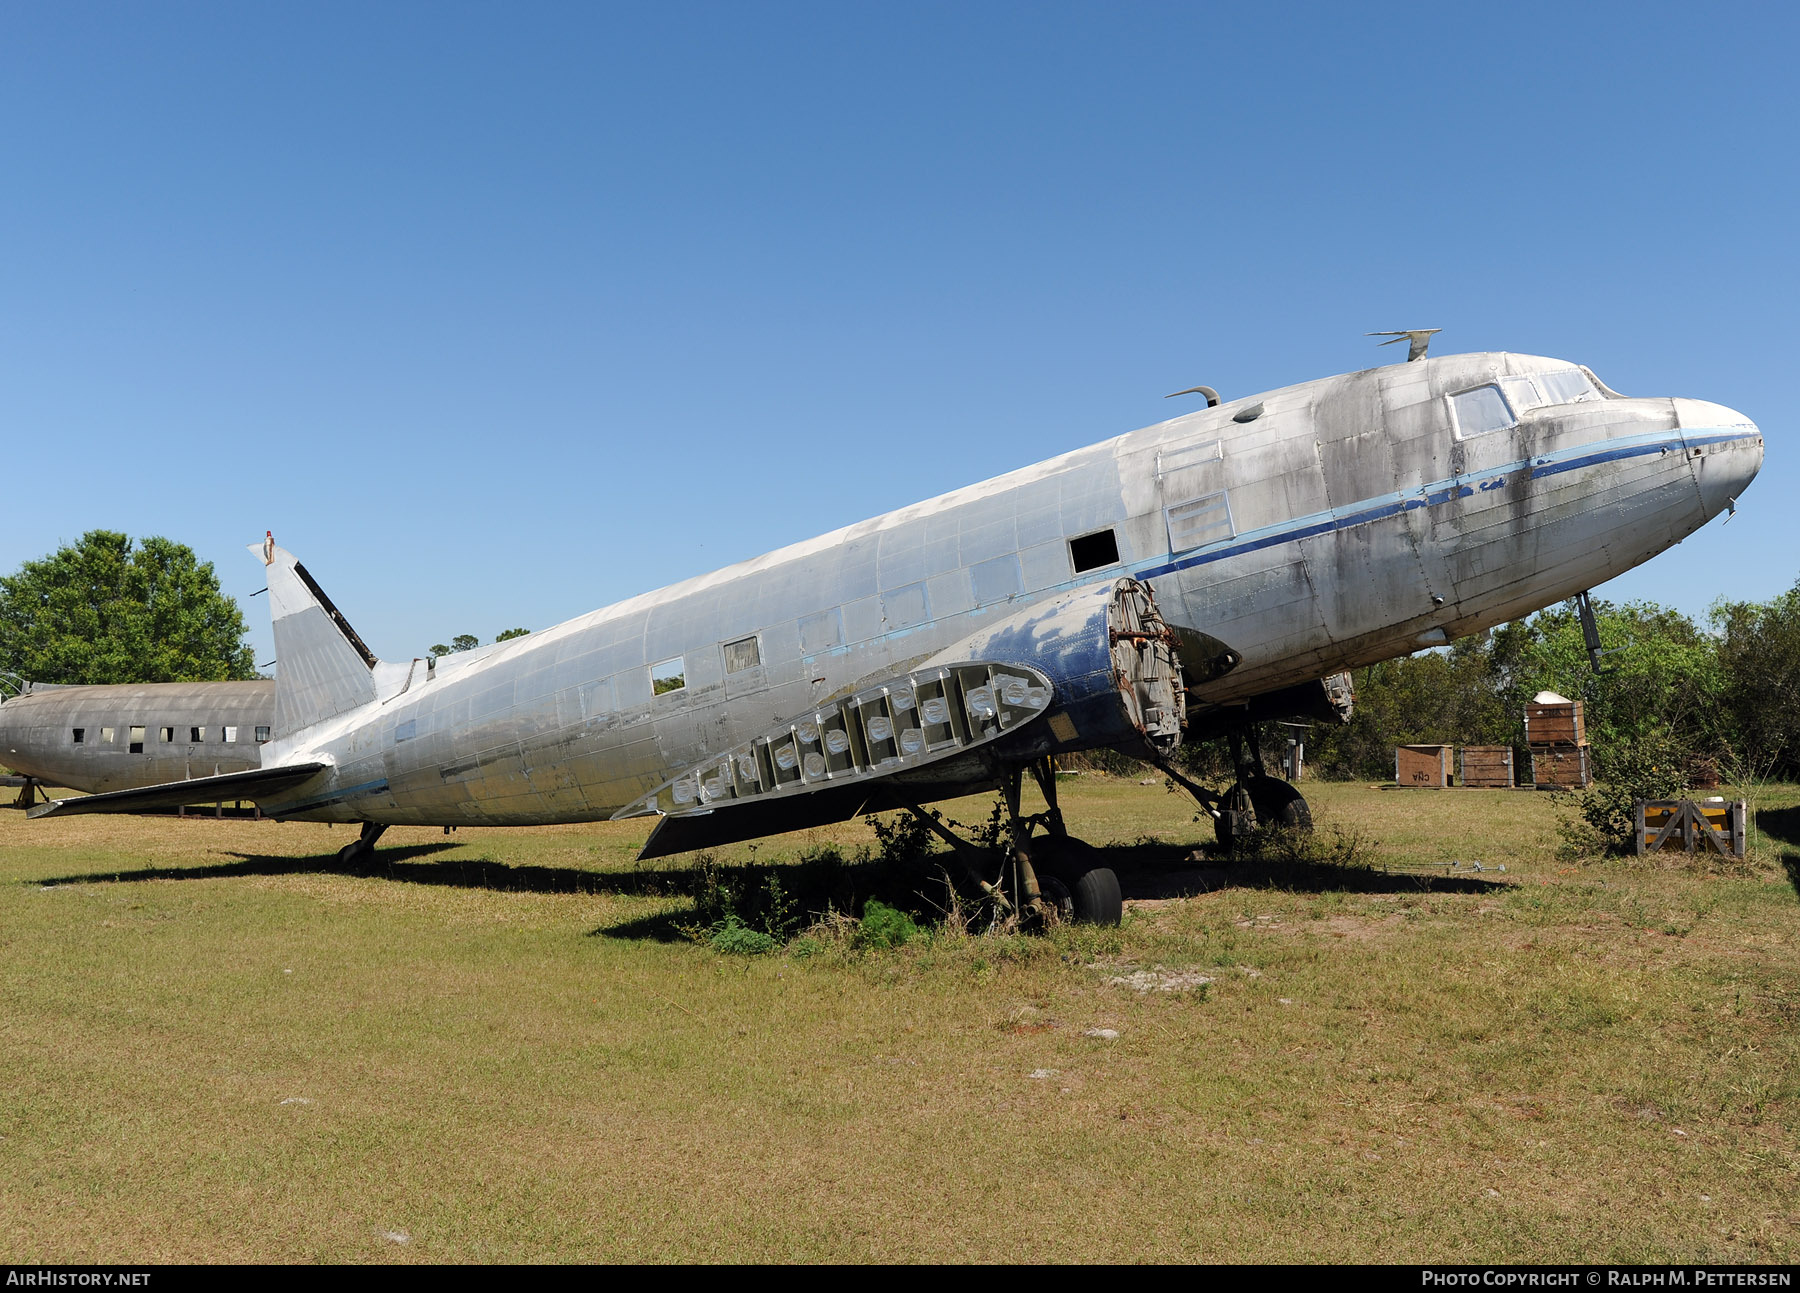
(1277,803)
(361,851)
(1072,867)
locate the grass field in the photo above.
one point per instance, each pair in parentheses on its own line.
(219,1045)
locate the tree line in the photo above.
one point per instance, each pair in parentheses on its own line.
(1720,694)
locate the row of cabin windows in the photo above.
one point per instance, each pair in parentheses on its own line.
(136,735)
(825,629)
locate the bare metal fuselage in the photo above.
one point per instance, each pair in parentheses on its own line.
(1355,519)
(117,737)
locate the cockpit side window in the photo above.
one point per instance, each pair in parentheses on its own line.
(1539,390)
(1480,411)
(1566,386)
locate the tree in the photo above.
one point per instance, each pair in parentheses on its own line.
(1662,689)
(1759,656)
(461,642)
(510,634)
(103,610)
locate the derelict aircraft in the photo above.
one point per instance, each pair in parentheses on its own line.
(119,736)
(1189,577)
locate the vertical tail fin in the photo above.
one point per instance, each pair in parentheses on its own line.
(323,668)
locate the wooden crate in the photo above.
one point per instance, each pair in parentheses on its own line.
(1555,724)
(1709,826)
(1422,765)
(1561,767)
(1487,766)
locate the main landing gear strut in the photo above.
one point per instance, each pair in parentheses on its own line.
(1047,875)
(1254,798)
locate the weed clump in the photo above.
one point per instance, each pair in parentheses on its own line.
(1286,846)
(884,926)
(734,938)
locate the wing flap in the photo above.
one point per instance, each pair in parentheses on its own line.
(250,784)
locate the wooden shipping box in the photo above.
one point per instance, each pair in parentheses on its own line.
(1487,767)
(1555,724)
(1422,765)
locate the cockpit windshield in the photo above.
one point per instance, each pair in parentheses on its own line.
(1554,386)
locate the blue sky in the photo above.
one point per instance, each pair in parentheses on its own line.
(496,314)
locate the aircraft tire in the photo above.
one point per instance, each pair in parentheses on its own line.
(1073,866)
(1096,897)
(1277,803)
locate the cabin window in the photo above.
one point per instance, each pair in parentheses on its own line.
(1480,411)
(742,654)
(168,735)
(262,733)
(230,735)
(80,735)
(822,631)
(137,739)
(106,735)
(996,580)
(668,675)
(196,734)
(1091,551)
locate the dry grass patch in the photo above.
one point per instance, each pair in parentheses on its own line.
(495,1045)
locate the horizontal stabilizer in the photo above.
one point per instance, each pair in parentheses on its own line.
(251,784)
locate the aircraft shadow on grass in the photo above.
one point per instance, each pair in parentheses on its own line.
(1146,872)
(1783,826)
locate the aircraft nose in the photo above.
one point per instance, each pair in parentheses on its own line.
(1725,449)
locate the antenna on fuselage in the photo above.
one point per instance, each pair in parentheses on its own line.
(1212,396)
(1420,337)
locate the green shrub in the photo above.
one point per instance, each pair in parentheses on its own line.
(1602,819)
(735,938)
(884,926)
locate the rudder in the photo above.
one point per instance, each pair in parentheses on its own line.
(323,667)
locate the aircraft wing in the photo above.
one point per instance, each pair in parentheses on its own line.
(248,784)
(1094,667)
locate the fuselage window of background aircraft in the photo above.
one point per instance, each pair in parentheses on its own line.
(80,735)
(168,735)
(668,675)
(196,734)
(1480,411)
(230,735)
(741,655)
(262,734)
(137,739)
(1092,551)
(106,736)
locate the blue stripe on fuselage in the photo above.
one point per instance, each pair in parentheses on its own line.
(1432,495)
